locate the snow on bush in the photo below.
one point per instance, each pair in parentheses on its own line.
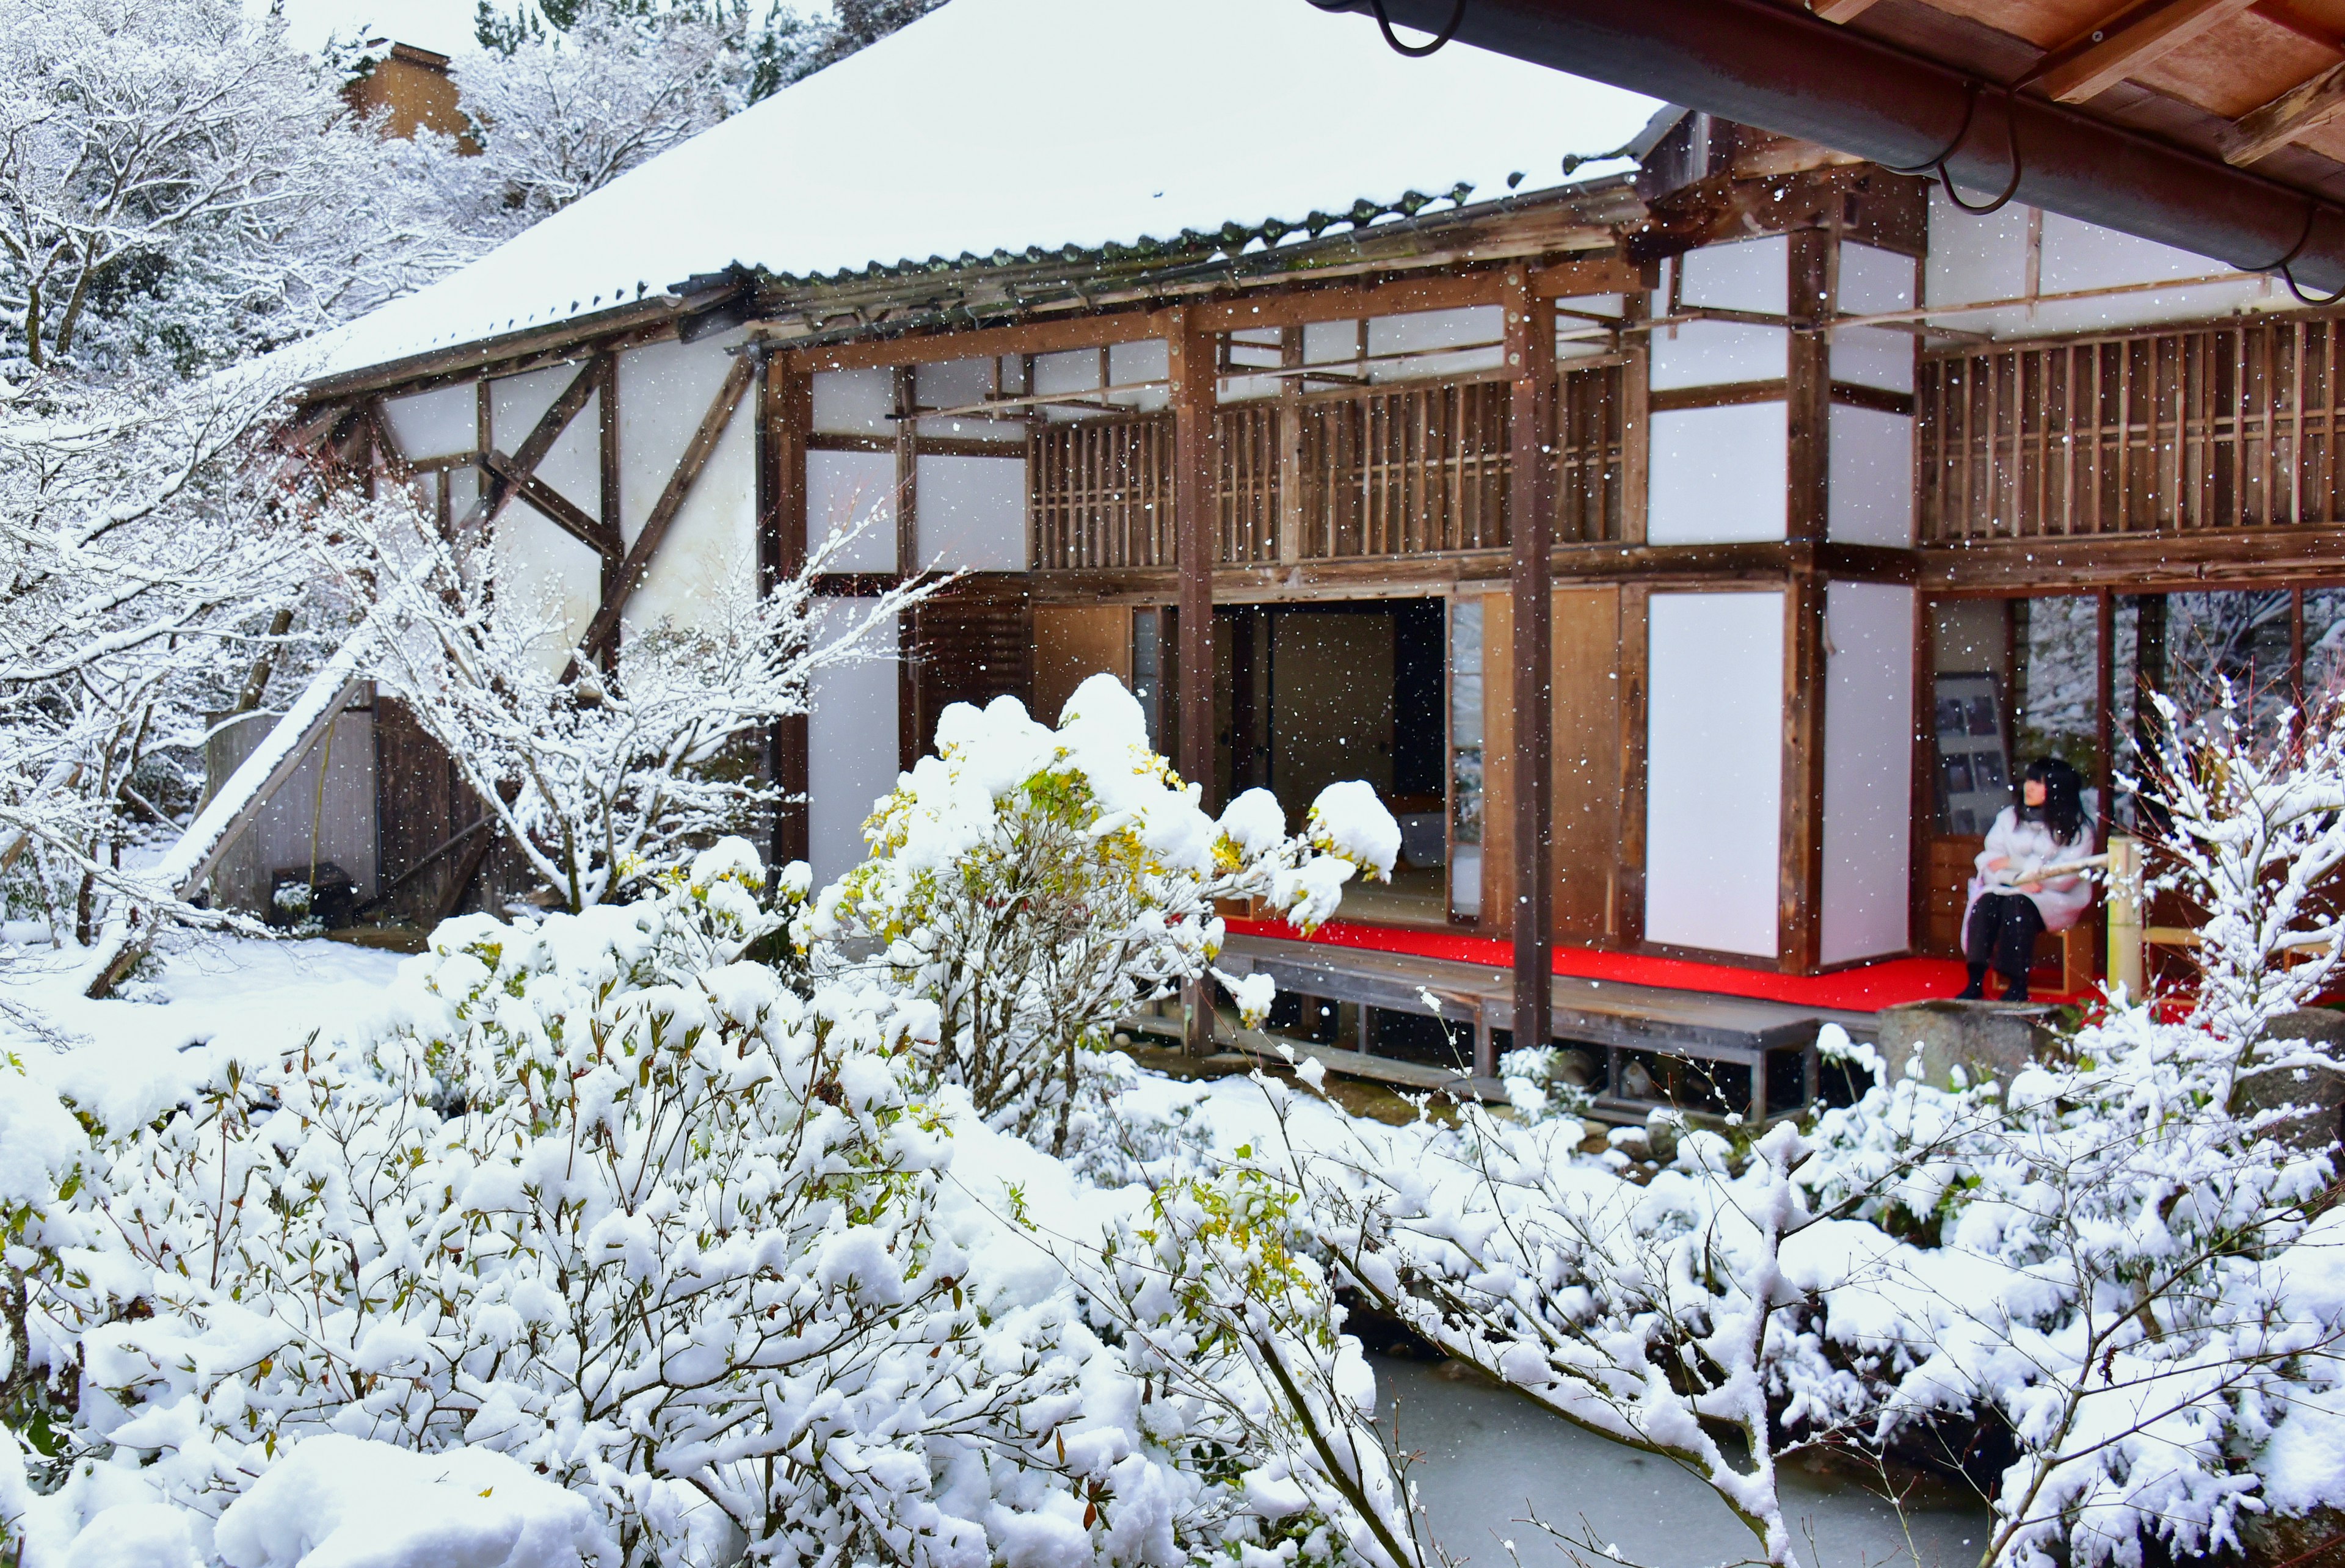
(603,1208)
(598,776)
(2140,1288)
(1036,885)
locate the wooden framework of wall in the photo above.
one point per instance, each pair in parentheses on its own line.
(2031,473)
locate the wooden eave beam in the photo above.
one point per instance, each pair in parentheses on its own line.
(1610,273)
(697,454)
(2303,107)
(2113,49)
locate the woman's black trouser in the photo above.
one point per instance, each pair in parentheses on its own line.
(2002,933)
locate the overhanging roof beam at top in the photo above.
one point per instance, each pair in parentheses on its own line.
(1766,63)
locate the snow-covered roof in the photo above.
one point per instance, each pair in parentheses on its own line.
(1001,125)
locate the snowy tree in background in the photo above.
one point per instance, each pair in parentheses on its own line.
(178,187)
(144,562)
(569,95)
(564,111)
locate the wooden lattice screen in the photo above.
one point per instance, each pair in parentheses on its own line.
(1386,471)
(2230,426)
(1405,470)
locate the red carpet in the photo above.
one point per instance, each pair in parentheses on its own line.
(1867,989)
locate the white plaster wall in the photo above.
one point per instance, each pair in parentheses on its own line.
(1745,275)
(573,465)
(958,385)
(844,489)
(1872,279)
(1717,475)
(435,424)
(851,749)
(971,513)
(545,573)
(1879,357)
(1424,333)
(853,403)
(1871,466)
(664,390)
(1718,353)
(1147,359)
(1714,770)
(1868,769)
(1972,257)
(1575,338)
(1975,258)
(1330,342)
(707,561)
(1071,370)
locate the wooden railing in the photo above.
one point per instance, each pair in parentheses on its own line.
(2219,427)
(1384,472)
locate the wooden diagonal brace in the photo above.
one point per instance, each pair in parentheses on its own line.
(695,458)
(495,488)
(564,513)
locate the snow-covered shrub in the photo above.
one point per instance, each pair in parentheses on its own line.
(1654,1315)
(1533,1089)
(598,776)
(2139,1285)
(1036,885)
(2251,831)
(603,1201)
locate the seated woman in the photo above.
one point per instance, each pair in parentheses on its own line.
(2011,903)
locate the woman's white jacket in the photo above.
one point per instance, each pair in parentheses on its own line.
(2029,847)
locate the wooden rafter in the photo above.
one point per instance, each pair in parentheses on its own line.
(697,454)
(2111,50)
(1843,10)
(2301,109)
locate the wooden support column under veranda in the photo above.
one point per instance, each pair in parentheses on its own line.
(1530,508)
(1195,379)
(785,418)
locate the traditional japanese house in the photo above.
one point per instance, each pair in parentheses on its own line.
(1688,528)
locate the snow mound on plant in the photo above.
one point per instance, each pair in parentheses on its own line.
(337,1501)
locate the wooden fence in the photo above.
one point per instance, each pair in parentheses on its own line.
(1378,471)
(2158,432)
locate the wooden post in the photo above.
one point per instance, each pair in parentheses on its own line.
(1808,389)
(1530,524)
(1290,450)
(1798,923)
(1636,415)
(911,727)
(607,410)
(1195,389)
(784,415)
(2125,963)
(1806,520)
(1635,671)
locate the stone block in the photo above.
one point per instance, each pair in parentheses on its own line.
(1985,1039)
(2319,1092)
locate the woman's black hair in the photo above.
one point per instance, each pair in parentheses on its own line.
(2063,810)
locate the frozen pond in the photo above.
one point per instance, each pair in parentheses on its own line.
(1488,1459)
